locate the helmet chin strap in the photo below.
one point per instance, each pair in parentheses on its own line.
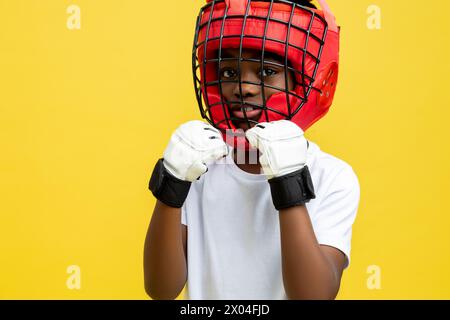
(236,139)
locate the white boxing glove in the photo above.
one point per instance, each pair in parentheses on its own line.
(191,148)
(282,146)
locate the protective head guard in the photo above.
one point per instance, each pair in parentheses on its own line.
(307,39)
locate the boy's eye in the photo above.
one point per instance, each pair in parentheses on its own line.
(228,73)
(267,72)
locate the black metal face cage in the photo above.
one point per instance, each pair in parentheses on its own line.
(307,80)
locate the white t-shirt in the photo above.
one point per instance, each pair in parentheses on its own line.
(233,243)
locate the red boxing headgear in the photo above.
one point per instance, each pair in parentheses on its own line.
(306,38)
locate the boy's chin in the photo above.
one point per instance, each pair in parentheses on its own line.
(243,125)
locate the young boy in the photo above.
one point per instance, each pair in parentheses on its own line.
(271,216)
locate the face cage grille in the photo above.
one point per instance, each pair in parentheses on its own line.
(307,81)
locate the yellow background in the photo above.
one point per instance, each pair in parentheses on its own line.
(85,114)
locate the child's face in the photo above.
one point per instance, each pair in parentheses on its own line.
(273,75)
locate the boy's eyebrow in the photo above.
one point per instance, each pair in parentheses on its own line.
(273,56)
(267,56)
(227,55)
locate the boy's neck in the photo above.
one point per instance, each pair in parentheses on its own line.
(247,162)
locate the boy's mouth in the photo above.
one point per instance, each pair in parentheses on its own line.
(253,113)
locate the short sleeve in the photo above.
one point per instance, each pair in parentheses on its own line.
(183,214)
(336,213)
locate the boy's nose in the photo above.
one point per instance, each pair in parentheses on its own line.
(248,89)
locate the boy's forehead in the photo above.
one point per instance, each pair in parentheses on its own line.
(251,54)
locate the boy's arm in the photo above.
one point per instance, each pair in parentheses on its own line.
(310,270)
(165,270)
(191,147)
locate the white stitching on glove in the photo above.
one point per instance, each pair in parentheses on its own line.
(282,146)
(191,148)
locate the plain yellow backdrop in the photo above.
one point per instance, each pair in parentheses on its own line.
(85,114)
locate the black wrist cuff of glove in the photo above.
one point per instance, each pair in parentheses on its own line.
(292,189)
(168,188)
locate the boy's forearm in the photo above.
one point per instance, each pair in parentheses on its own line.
(165,271)
(307,273)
